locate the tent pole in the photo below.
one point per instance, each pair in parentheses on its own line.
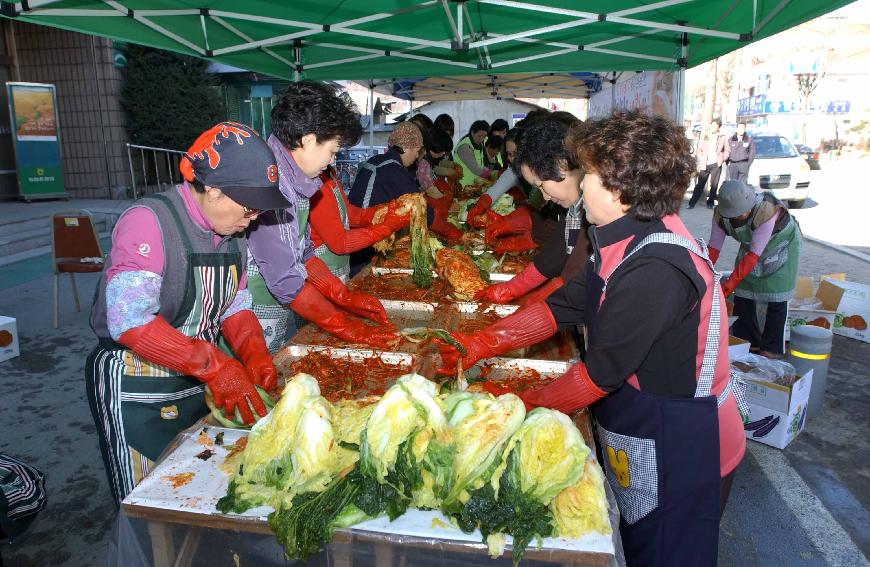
(681,79)
(371,118)
(613,93)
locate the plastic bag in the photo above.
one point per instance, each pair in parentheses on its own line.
(754,367)
(805,303)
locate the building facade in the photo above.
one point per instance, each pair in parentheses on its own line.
(88,83)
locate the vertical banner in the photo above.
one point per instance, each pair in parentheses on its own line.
(36,138)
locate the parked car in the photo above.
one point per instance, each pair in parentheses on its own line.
(811,155)
(780,169)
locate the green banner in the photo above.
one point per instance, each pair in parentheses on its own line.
(36,136)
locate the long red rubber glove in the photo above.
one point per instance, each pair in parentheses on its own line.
(567,393)
(519,285)
(740,271)
(518,243)
(526,326)
(361,304)
(231,385)
(245,335)
(518,222)
(313,306)
(442,227)
(713,253)
(542,292)
(478,209)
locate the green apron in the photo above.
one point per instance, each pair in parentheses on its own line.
(273,315)
(338,264)
(774,277)
(142,406)
(468,176)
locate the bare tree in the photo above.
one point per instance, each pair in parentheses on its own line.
(807,83)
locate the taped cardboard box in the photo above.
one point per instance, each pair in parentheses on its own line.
(853,311)
(8,338)
(808,308)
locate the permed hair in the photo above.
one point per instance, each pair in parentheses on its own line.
(542,149)
(647,159)
(309,107)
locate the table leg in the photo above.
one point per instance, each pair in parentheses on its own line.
(161,544)
(188,548)
(383,554)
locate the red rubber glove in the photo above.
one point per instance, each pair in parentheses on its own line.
(444,185)
(713,253)
(245,335)
(479,208)
(441,227)
(394,222)
(518,222)
(361,304)
(542,292)
(229,382)
(519,285)
(526,326)
(567,393)
(741,270)
(518,243)
(313,306)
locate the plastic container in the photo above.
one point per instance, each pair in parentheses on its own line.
(810,348)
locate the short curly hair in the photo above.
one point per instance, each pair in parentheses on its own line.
(542,149)
(310,107)
(648,159)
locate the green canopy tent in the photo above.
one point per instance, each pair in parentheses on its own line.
(382,39)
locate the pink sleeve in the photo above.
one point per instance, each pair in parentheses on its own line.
(717,236)
(137,243)
(761,235)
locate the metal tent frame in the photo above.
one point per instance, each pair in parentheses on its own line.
(277,38)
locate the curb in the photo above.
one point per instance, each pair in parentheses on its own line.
(839,248)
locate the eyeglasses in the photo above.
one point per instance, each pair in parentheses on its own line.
(248,213)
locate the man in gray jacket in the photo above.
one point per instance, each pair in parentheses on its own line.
(742,154)
(712,151)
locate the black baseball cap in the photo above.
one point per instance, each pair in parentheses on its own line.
(232,157)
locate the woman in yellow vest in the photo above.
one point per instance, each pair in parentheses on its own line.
(469,153)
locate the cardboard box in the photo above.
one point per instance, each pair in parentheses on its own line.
(853,310)
(737,348)
(8,338)
(827,297)
(784,407)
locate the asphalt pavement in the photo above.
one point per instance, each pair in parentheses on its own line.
(804,505)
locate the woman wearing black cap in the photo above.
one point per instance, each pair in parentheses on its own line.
(174,282)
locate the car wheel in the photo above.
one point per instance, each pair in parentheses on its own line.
(796,203)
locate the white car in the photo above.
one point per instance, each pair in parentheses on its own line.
(779,169)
